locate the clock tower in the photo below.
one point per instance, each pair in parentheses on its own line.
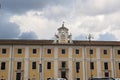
(63,37)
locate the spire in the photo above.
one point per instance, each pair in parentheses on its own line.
(63,27)
(63,24)
(63,36)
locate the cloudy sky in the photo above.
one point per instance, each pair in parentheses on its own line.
(39,19)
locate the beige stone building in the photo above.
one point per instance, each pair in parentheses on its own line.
(61,57)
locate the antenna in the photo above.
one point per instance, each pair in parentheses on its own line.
(89,37)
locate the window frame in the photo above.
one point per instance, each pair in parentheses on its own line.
(48,78)
(4,51)
(77,51)
(77,67)
(63,64)
(19,65)
(91,51)
(106,74)
(48,65)
(34,65)
(3,65)
(19,51)
(105,52)
(77,78)
(63,51)
(92,65)
(106,65)
(119,65)
(34,51)
(49,51)
(118,52)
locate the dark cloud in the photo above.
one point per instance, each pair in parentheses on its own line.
(107,37)
(67,9)
(21,6)
(8,29)
(28,35)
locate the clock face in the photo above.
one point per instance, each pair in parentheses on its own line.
(63,33)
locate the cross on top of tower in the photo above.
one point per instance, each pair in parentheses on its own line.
(63,27)
(63,24)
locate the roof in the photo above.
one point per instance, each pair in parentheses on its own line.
(63,28)
(50,42)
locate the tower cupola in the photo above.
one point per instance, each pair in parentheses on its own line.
(63,37)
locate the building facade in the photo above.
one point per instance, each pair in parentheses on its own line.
(58,58)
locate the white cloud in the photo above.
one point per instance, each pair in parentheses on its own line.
(56,12)
(97,17)
(99,24)
(43,27)
(95,7)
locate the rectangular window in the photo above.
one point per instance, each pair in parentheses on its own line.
(18,76)
(63,51)
(48,65)
(18,65)
(34,51)
(106,66)
(118,52)
(77,66)
(63,64)
(33,65)
(48,78)
(77,51)
(91,65)
(105,51)
(3,65)
(77,78)
(19,51)
(4,51)
(63,74)
(49,51)
(119,65)
(91,51)
(40,67)
(106,74)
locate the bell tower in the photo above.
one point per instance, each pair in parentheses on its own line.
(63,37)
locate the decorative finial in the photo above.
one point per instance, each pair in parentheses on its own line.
(63,24)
